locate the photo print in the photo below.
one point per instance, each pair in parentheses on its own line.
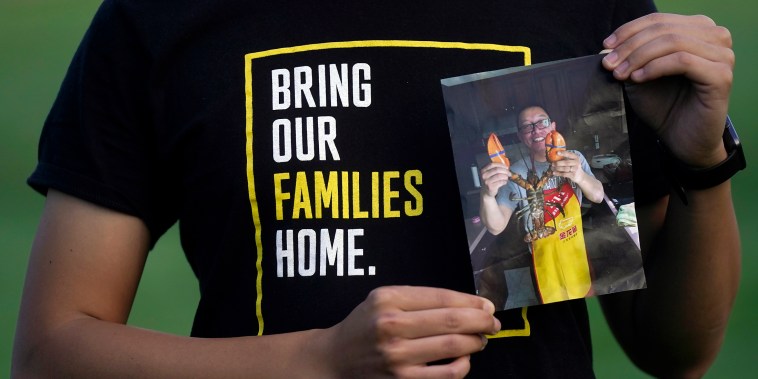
(545,178)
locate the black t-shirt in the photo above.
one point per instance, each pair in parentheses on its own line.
(303,148)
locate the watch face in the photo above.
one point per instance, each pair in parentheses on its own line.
(733,146)
(731,140)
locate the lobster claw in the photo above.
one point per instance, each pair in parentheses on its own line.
(496,151)
(554,143)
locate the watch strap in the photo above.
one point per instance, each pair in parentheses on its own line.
(684,177)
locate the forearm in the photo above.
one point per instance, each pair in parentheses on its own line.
(84,270)
(692,269)
(591,188)
(694,274)
(492,215)
(90,348)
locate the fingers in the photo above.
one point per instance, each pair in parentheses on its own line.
(411,357)
(417,325)
(665,44)
(403,331)
(494,176)
(455,369)
(403,352)
(433,322)
(568,156)
(412,298)
(697,69)
(700,27)
(568,166)
(406,353)
(494,169)
(416,312)
(564,170)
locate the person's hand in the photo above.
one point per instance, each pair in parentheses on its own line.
(570,167)
(398,331)
(494,176)
(679,72)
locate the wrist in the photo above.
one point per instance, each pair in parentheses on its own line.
(700,160)
(686,177)
(486,196)
(320,354)
(580,177)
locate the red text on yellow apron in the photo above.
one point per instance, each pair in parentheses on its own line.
(560,260)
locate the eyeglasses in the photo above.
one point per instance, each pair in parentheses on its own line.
(528,128)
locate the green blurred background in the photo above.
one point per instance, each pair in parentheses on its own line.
(37,41)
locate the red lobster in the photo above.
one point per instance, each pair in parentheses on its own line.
(534,211)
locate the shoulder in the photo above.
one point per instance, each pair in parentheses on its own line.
(579,154)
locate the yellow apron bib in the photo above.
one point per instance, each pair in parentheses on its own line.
(560,260)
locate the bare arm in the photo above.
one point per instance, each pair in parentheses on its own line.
(692,254)
(571,167)
(591,187)
(83,273)
(675,327)
(494,216)
(84,269)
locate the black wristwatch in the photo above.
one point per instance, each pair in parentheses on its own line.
(684,177)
